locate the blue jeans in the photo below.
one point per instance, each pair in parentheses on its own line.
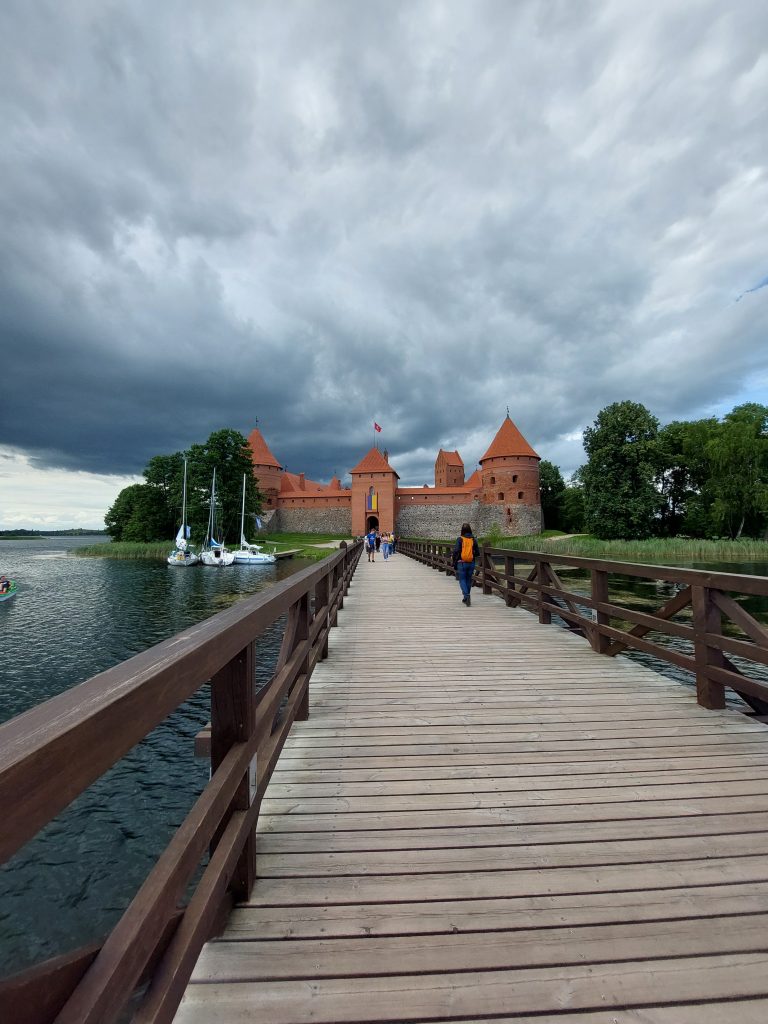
(464,572)
(385,549)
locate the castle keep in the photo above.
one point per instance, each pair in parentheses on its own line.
(503,492)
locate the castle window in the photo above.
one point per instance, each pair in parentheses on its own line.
(519,494)
(514,478)
(493,479)
(501,496)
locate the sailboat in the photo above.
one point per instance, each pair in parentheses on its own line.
(250,554)
(181,554)
(213,552)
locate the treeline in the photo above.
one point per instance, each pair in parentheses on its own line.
(152,511)
(693,478)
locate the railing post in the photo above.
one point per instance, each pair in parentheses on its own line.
(233,720)
(509,585)
(302,632)
(545,616)
(707,619)
(322,592)
(343,565)
(600,643)
(447,556)
(485,562)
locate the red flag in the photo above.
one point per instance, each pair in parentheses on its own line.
(376,427)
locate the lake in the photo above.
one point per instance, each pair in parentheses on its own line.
(74,617)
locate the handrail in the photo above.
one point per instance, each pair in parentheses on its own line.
(53,752)
(708,594)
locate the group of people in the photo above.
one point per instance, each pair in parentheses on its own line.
(384,542)
(5,584)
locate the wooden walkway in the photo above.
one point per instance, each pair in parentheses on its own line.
(482,818)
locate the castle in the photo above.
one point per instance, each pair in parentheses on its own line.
(503,493)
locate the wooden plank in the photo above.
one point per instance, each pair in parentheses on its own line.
(459,995)
(376,957)
(694,903)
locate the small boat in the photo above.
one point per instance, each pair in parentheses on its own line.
(8,588)
(213,551)
(250,554)
(182,554)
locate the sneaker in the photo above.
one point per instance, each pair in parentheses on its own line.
(469,600)
(464,600)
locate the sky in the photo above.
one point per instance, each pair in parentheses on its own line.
(314,215)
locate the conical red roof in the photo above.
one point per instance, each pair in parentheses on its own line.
(373,462)
(508,442)
(262,456)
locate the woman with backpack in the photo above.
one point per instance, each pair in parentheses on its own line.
(465,551)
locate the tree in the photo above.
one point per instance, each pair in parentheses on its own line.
(229,453)
(572,508)
(551,485)
(683,475)
(620,498)
(139,513)
(739,460)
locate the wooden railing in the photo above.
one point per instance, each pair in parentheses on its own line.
(710,596)
(51,754)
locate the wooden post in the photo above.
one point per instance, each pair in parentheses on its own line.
(600,643)
(509,585)
(322,591)
(233,720)
(302,632)
(448,561)
(542,578)
(485,566)
(707,619)
(343,567)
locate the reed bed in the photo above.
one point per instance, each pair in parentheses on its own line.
(647,552)
(134,550)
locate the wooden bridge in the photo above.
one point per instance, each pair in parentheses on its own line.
(476,815)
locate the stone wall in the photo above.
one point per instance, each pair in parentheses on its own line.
(441,522)
(313,520)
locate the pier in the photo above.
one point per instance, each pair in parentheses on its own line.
(461,814)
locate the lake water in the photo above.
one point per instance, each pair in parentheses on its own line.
(74,617)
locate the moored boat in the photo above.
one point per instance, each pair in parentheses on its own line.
(250,554)
(213,551)
(182,554)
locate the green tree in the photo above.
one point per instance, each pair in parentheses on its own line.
(229,453)
(739,460)
(139,513)
(682,477)
(620,498)
(572,508)
(551,485)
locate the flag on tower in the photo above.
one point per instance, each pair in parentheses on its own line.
(376,427)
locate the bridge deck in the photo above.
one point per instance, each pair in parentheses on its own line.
(483,818)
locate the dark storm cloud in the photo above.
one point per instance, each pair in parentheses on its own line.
(318,215)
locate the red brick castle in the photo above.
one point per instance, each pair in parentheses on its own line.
(503,492)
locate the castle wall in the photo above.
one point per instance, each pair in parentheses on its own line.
(321,519)
(440,522)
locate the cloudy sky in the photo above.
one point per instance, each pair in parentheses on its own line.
(317,214)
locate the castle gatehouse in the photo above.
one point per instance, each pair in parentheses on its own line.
(503,493)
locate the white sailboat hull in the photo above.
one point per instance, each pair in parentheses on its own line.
(245,557)
(178,557)
(217,556)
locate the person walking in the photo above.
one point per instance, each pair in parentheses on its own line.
(385,545)
(370,545)
(465,551)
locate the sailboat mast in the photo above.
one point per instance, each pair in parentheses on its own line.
(184,501)
(242,517)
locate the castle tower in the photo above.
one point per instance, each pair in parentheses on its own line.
(374,485)
(449,469)
(509,473)
(266,468)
